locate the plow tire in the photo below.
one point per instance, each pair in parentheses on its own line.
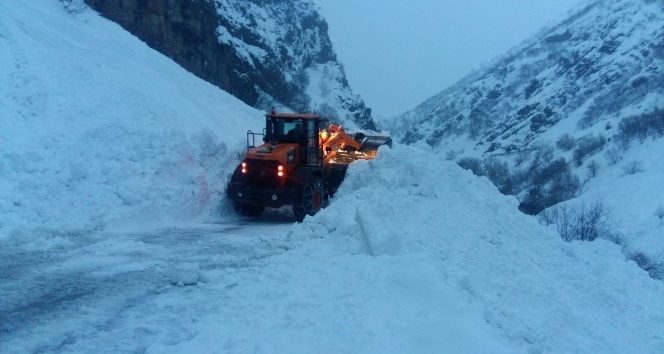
(309,198)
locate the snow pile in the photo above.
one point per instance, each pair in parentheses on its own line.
(101,129)
(543,294)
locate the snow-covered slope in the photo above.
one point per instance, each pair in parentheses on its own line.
(635,199)
(603,64)
(567,114)
(270,54)
(97,127)
(413,255)
(542,294)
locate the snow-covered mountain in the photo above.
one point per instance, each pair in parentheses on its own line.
(559,109)
(108,146)
(269,54)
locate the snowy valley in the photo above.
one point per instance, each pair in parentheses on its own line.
(115,235)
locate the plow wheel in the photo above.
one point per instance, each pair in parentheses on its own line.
(309,198)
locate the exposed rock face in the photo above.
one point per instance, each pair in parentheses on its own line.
(270,53)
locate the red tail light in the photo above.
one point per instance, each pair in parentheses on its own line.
(280,171)
(244,167)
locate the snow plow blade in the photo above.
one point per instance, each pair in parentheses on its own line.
(371,143)
(363,147)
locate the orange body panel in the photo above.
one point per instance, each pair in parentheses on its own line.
(339,139)
(279,153)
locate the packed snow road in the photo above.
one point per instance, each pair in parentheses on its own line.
(96,288)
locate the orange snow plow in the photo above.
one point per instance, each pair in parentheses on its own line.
(301,163)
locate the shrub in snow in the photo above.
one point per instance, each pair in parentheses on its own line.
(641,126)
(592,221)
(633,167)
(562,216)
(327,110)
(74,6)
(538,153)
(659,213)
(613,156)
(477,120)
(452,155)
(300,100)
(551,184)
(653,265)
(542,153)
(499,173)
(580,222)
(544,182)
(566,142)
(593,168)
(588,145)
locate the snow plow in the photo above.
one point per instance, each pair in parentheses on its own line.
(301,162)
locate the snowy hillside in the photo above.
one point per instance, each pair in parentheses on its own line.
(96,127)
(603,64)
(270,54)
(576,110)
(112,169)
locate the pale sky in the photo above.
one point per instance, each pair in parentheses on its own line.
(398,53)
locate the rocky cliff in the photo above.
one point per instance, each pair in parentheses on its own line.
(268,53)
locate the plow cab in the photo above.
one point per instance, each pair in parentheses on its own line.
(298,160)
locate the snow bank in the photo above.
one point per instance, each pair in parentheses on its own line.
(543,294)
(99,130)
